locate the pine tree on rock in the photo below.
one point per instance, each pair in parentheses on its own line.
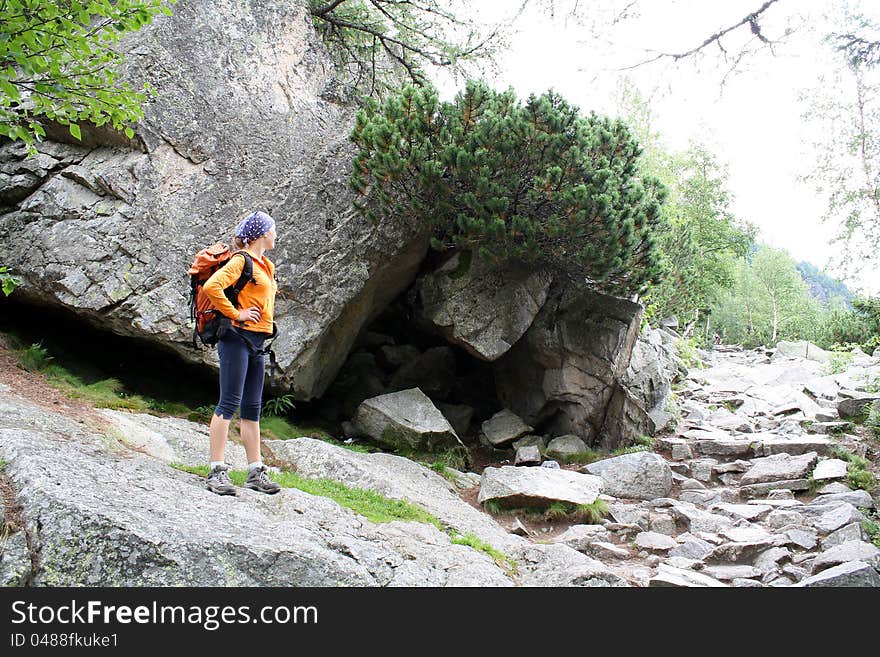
(535,181)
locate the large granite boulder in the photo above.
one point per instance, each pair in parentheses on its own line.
(96,512)
(513,486)
(640,475)
(800,349)
(107,227)
(405,420)
(562,374)
(652,368)
(482,308)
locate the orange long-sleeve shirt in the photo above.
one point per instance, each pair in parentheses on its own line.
(261,295)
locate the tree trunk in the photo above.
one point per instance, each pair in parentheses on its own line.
(775,319)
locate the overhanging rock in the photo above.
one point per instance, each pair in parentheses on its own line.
(107,228)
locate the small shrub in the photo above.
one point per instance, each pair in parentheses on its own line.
(493,507)
(586,513)
(278,406)
(863,479)
(632,449)
(871,525)
(35,358)
(8,282)
(687,351)
(837,363)
(455,457)
(873,419)
(858,473)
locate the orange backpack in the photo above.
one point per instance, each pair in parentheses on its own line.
(210,323)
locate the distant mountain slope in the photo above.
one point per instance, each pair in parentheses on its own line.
(822,286)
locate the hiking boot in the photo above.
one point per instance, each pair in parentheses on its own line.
(258,479)
(219,482)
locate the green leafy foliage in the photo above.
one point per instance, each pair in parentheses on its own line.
(8,282)
(837,363)
(278,406)
(873,419)
(533,181)
(57,63)
(858,473)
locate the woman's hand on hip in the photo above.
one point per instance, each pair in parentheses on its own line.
(251,314)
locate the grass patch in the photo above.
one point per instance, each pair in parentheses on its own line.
(3,463)
(504,562)
(104,393)
(590,514)
(455,457)
(587,513)
(632,449)
(581,457)
(858,474)
(444,471)
(281,428)
(837,363)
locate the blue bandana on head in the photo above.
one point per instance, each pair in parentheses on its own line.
(255,225)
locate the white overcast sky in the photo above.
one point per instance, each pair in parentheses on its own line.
(753,124)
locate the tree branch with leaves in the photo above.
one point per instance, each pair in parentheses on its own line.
(380,44)
(58,63)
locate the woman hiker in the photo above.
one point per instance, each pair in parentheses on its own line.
(242,368)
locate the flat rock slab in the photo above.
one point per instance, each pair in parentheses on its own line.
(749,534)
(581,537)
(849,551)
(834,487)
(746,511)
(858,498)
(504,427)
(405,419)
(669,576)
(698,520)
(726,447)
(803,538)
(830,469)
(755,490)
(852,573)
(727,573)
(655,542)
(779,467)
(640,476)
(770,444)
(692,548)
(835,517)
(543,486)
(847,533)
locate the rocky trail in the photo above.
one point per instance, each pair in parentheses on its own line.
(746,491)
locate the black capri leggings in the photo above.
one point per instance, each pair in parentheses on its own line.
(241,375)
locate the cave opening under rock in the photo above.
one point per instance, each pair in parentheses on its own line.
(395,353)
(92,354)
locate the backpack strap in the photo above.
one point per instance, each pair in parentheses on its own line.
(247,276)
